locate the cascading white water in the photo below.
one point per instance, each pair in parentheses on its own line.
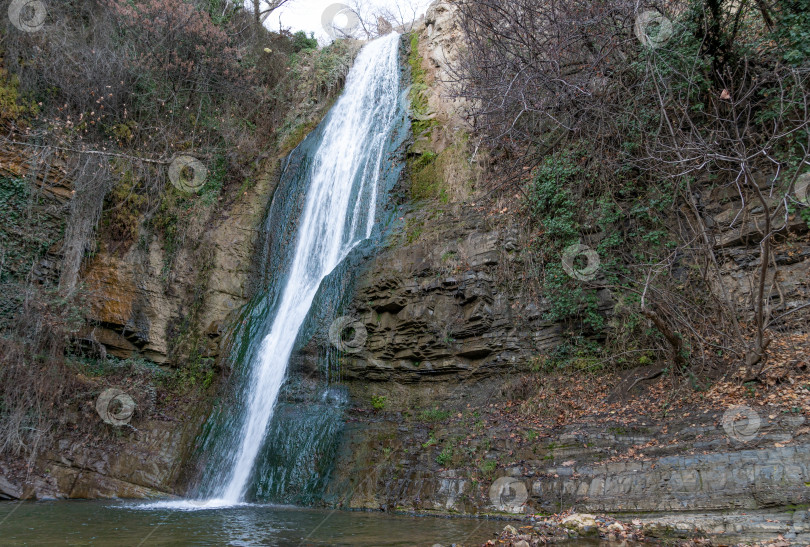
(339,213)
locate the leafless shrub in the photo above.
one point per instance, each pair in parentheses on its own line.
(34,379)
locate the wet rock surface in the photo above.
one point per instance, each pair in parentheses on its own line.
(436,309)
(143,459)
(136,307)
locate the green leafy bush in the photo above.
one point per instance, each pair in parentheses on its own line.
(378,402)
(445,456)
(434,415)
(301,41)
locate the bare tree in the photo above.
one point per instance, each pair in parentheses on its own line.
(375,20)
(263,8)
(401,15)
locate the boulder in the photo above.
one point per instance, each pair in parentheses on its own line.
(582,523)
(8,490)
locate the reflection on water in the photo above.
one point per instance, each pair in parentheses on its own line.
(128,523)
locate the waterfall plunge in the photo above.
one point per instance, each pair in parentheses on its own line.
(339,212)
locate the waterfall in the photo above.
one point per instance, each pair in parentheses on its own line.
(341,184)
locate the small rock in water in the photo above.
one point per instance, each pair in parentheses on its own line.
(521,543)
(509,529)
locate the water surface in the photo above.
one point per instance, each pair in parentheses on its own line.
(127,523)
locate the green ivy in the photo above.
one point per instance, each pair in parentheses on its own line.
(26,232)
(792,31)
(300,41)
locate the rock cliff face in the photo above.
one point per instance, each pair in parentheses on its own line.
(138,306)
(440,45)
(447,337)
(136,311)
(142,463)
(163,300)
(452,330)
(736,228)
(435,308)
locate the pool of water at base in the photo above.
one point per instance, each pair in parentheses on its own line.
(128,523)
